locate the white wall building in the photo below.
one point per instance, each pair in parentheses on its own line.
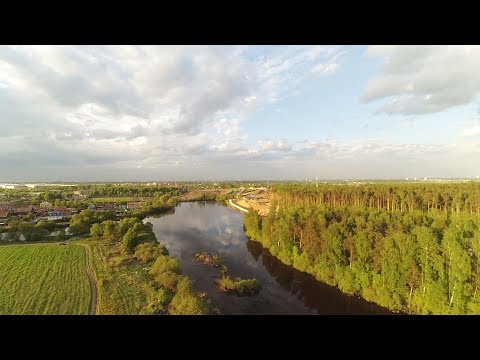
(13,186)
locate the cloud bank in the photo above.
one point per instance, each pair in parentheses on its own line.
(102,108)
(81,113)
(424,79)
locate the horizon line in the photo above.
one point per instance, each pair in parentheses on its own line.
(240,180)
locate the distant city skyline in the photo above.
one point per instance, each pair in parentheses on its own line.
(165,113)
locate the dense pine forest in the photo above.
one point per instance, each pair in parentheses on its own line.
(403,197)
(413,248)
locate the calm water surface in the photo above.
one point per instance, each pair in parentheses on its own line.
(208,226)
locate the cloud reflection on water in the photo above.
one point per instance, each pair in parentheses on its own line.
(207,226)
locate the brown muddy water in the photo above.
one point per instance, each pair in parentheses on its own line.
(209,226)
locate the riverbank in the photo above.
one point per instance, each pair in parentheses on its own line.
(197,227)
(144,282)
(332,263)
(235,206)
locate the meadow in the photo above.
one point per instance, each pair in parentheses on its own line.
(122,290)
(43,279)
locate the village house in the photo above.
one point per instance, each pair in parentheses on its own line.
(64,210)
(108,207)
(41,215)
(55,215)
(121,209)
(23,211)
(4,215)
(7,206)
(134,205)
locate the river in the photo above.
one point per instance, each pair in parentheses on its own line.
(208,226)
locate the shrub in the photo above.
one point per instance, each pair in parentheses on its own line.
(186,301)
(226,283)
(209,259)
(163,296)
(96,231)
(240,287)
(157,301)
(148,252)
(47,225)
(118,261)
(163,264)
(129,240)
(247,287)
(167,279)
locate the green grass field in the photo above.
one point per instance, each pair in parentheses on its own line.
(111,199)
(43,279)
(121,290)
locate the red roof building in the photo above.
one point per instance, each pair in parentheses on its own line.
(24,210)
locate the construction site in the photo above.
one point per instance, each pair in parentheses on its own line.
(257,199)
(242,199)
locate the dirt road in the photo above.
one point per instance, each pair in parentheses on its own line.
(91,279)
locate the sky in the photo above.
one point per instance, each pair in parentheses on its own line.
(157,113)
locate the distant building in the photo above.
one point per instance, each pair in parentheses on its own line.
(24,210)
(135,205)
(55,215)
(4,214)
(14,186)
(64,210)
(108,207)
(41,215)
(7,206)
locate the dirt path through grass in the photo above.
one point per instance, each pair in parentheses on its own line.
(92,280)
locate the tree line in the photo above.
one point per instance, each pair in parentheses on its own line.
(403,197)
(130,190)
(419,260)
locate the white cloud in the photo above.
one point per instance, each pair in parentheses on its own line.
(324,69)
(366,147)
(227,127)
(409,122)
(274,145)
(112,108)
(281,75)
(229,146)
(471,131)
(376,158)
(424,79)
